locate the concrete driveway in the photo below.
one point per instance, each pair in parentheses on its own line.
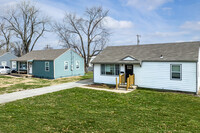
(9,97)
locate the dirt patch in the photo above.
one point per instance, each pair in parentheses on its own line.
(6,82)
(102,86)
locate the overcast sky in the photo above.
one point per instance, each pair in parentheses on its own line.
(157,21)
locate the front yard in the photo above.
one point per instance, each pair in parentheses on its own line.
(84,110)
(10,84)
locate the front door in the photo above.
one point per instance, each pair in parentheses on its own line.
(128,71)
(30,68)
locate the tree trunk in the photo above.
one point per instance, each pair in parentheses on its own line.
(7,47)
(85,66)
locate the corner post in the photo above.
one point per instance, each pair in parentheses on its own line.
(116,84)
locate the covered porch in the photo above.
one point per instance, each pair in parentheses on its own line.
(25,67)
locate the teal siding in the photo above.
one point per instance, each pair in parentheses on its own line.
(39,69)
(71,57)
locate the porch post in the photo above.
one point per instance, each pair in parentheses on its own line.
(27,68)
(18,66)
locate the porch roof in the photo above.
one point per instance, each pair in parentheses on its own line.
(184,51)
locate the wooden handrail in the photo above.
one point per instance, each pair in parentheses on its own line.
(130,81)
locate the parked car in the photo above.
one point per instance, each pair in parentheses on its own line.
(5,70)
(13,71)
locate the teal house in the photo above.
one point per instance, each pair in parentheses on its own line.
(51,63)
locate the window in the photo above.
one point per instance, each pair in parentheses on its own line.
(46,66)
(77,64)
(66,65)
(176,72)
(4,63)
(14,66)
(23,66)
(109,69)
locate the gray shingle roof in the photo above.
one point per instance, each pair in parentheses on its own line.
(49,54)
(2,52)
(184,51)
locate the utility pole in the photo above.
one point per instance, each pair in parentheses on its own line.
(138,39)
(47,46)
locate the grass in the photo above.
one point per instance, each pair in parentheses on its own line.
(12,84)
(84,110)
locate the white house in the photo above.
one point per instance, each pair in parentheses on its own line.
(169,66)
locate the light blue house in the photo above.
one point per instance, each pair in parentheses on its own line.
(51,63)
(5,59)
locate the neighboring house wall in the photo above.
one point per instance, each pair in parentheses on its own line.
(38,69)
(156,75)
(71,57)
(7,57)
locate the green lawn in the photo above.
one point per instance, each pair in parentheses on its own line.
(12,84)
(84,110)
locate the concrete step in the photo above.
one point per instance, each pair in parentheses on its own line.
(131,87)
(122,86)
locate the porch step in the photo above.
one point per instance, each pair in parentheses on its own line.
(122,86)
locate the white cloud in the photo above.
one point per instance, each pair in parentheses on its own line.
(112,23)
(191,25)
(148,5)
(169,34)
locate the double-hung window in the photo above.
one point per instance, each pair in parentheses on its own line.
(77,64)
(46,66)
(14,64)
(109,69)
(66,65)
(176,71)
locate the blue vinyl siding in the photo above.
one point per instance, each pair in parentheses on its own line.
(39,69)
(71,57)
(7,57)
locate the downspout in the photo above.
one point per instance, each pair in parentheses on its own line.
(54,68)
(93,71)
(197,70)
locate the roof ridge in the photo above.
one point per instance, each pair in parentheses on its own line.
(51,49)
(170,43)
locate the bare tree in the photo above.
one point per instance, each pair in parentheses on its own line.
(6,34)
(27,23)
(18,49)
(86,35)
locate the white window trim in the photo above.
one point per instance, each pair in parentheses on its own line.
(180,72)
(4,62)
(46,66)
(109,74)
(78,64)
(67,65)
(14,63)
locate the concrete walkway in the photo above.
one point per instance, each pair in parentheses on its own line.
(9,97)
(120,90)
